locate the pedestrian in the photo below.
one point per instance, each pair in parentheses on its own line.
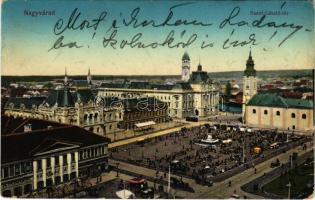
(230,183)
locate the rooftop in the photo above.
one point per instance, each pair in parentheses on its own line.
(19,145)
(275,100)
(147,86)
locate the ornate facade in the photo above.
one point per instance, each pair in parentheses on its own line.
(35,158)
(75,108)
(140,110)
(197,97)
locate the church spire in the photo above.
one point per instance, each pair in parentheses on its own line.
(199,68)
(66,77)
(89,77)
(250,70)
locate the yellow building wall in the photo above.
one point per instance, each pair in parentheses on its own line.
(252,118)
(265,118)
(278,120)
(282,121)
(291,122)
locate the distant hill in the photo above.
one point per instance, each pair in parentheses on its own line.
(157,78)
(5,80)
(264,74)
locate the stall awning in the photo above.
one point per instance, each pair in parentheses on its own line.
(136,181)
(144,124)
(125,194)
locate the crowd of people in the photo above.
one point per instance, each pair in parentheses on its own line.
(183,153)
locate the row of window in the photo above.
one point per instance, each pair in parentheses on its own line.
(16,169)
(57,161)
(278,114)
(93,152)
(95,117)
(142,114)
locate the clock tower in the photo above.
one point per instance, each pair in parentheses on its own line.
(185,67)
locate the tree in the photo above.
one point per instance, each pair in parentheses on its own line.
(48,85)
(228,88)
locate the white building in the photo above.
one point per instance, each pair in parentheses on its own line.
(196,97)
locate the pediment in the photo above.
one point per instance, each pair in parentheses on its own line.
(51,146)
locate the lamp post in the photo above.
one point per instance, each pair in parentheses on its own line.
(243,150)
(117,165)
(154,99)
(169,180)
(289,190)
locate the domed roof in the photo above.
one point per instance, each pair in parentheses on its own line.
(185,56)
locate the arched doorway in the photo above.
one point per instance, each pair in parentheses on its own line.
(7,193)
(196,112)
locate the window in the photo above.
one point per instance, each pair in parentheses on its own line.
(293,115)
(28,166)
(17,169)
(64,159)
(39,164)
(23,167)
(278,113)
(48,162)
(266,112)
(254,111)
(72,157)
(86,154)
(57,160)
(303,116)
(11,170)
(293,127)
(5,172)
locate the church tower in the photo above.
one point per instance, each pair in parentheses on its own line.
(185,67)
(65,80)
(89,77)
(249,82)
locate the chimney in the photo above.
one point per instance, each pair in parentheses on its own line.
(27,127)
